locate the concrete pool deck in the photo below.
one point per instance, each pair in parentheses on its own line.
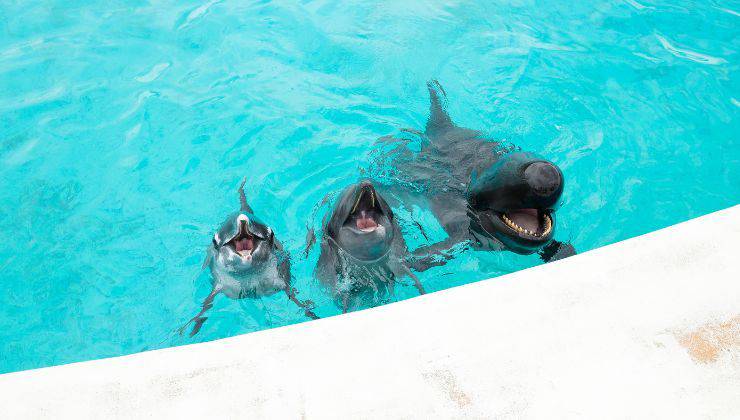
(645,328)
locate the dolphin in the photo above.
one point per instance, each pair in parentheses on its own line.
(246,261)
(362,250)
(483,194)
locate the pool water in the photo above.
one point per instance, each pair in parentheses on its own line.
(126,126)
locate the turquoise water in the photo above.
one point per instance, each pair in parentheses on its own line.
(125,127)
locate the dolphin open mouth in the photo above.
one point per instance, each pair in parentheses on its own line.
(366,211)
(244,243)
(533,223)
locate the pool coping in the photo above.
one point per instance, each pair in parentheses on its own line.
(648,327)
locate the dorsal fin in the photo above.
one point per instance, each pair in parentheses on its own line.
(439,119)
(243,197)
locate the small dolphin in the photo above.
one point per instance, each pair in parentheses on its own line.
(481,193)
(246,261)
(362,249)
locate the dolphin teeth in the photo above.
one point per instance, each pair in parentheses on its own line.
(359,198)
(547,226)
(357,203)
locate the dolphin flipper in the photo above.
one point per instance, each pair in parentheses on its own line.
(199,319)
(207,260)
(310,234)
(243,197)
(439,119)
(422,264)
(556,250)
(345,302)
(284,272)
(437,254)
(310,240)
(306,305)
(417,282)
(400,269)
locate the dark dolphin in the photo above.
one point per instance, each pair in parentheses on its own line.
(246,261)
(483,194)
(362,249)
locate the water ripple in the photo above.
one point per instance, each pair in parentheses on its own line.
(688,54)
(195,14)
(153,74)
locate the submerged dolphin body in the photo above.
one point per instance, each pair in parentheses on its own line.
(246,261)
(482,194)
(362,249)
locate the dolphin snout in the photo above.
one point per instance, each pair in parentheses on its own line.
(544,178)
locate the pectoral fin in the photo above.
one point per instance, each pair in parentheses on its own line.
(310,234)
(400,269)
(556,250)
(310,240)
(437,254)
(199,319)
(306,305)
(206,261)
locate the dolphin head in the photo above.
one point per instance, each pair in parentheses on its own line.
(515,201)
(242,244)
(362,223)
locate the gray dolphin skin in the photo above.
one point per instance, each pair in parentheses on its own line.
(482,194)
(362,250)
(246,261)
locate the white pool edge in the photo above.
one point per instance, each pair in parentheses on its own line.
(598,335)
